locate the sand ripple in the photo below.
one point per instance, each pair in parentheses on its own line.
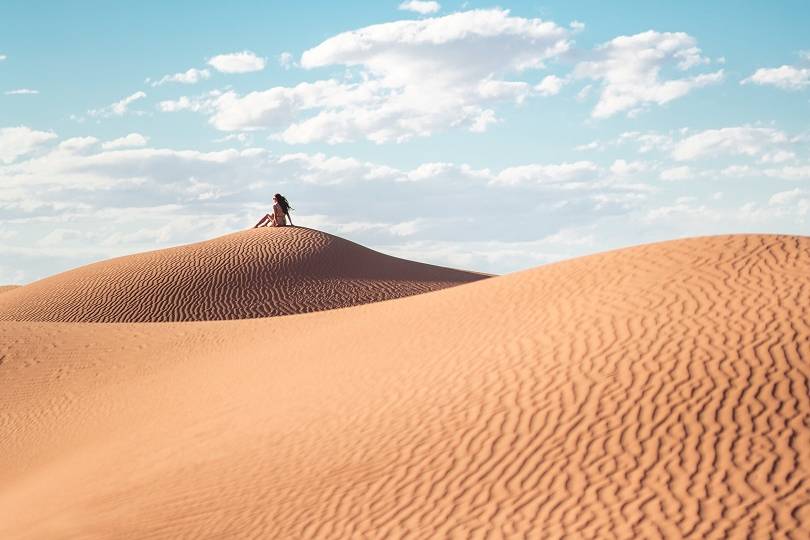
(658,391)
(254,273)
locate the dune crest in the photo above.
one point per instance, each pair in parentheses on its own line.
(254,273)
(656,391)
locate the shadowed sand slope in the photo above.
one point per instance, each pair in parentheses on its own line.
(254,273)
(662,390)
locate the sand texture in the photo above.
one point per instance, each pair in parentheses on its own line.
(254,273)
(657,391)
(6,288)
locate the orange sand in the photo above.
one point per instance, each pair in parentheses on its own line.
(662,390)
(254,273)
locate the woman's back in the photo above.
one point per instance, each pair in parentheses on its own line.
(279,218)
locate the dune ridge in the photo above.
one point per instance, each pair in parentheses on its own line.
(656,391)
(254,273)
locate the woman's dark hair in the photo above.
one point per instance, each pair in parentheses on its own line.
(282,200)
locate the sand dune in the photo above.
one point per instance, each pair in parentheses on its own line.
(662,390)
(6,288)
(254,273)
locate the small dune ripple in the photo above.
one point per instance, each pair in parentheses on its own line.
(255,273)
(661,391)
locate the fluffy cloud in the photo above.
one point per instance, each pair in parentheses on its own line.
(490,254)
(789,172)
(77,144)
(784,77)
(785,197)
(3,57)
(740,140)
(550,85)
(239,62)
(629,69)
(456,48)
(191,76)
(683,172)
(621,167)
(129,141)
(420,6)
(21,92)
(416,77)
(83,199)
(119,108)
(564,174)
(21,140)
(286,60)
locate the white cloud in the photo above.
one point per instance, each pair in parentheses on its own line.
(677,173)
(326,170)
(593,145)
(119,108)
(420,6)
(129,141)
(191,76)
(489,255)
(239,62)
(784,77)
(647,141)
(181,104)
(572,174)
(76,144)
(239,137)
(21,140)
(790,172)
(740,140)
(21,92)
(483,120)
(470,45)
(58,237)
(285,60)
(550,85)
(109,201)
(621,167)
(629,68)
(785,197)
(444,172)
(3,57)
(416,77)
(777,156)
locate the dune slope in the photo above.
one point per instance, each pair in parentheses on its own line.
(662,390)
(253,273)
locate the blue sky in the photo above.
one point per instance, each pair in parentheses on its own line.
(489,136)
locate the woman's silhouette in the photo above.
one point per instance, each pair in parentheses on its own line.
(281,212)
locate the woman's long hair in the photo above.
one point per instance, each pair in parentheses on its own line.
(282,200)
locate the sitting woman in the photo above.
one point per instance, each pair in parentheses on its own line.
(281,212)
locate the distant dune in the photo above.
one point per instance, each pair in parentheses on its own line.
(656,391)
(6,288)
(254,273)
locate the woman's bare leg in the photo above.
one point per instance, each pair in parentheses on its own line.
(265,219)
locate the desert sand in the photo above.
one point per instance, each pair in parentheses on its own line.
(660,390)
(254,273)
